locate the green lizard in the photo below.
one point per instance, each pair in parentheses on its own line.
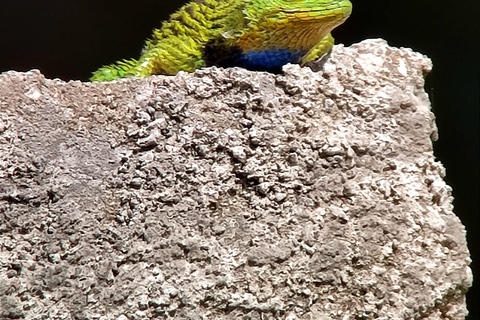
(254,34)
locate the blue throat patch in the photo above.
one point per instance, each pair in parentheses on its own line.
(268,60)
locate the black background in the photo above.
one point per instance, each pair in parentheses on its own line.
(70,39)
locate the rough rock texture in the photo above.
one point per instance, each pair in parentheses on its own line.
(228,194)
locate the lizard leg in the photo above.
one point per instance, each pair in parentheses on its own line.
(319,50)
(169,57)
(166,57)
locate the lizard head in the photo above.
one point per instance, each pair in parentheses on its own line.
(290,24)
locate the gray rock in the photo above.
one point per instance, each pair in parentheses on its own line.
(229,194)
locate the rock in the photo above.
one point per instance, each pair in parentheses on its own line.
(225,194)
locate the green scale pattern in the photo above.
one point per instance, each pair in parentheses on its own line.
(256,34)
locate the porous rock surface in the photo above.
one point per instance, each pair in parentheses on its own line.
(229,194)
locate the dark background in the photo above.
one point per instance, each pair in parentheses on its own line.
(70,39)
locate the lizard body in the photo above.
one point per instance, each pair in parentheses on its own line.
(255,34)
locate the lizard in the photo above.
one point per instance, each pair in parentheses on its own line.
(261,35)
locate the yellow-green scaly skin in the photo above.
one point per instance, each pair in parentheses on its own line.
(203,29)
